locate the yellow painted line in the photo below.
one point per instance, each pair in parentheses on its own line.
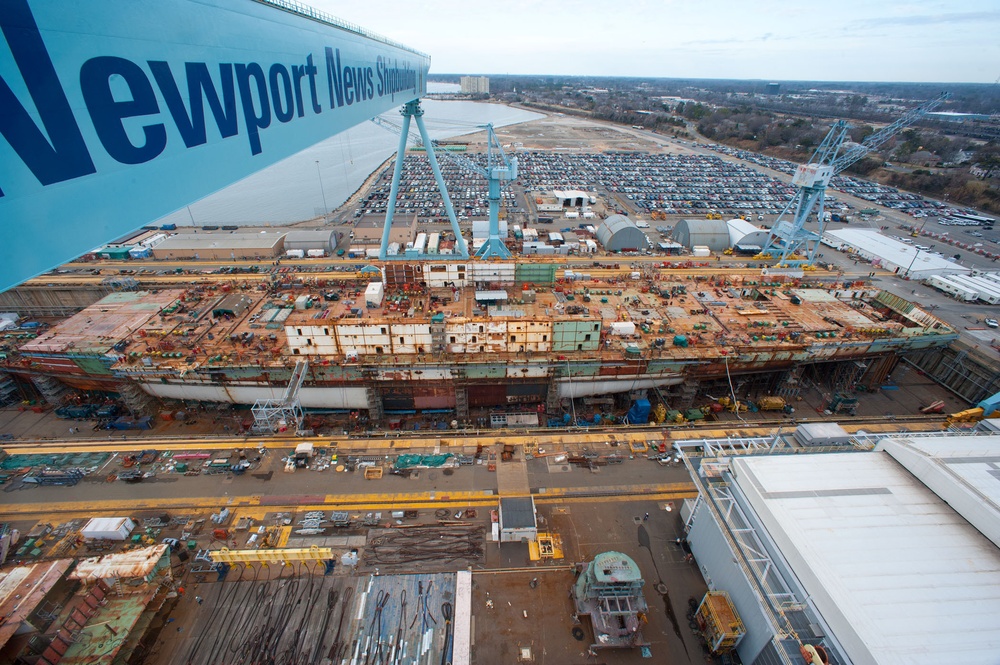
(659,496)
(624,490)
(251,506)
(549,442)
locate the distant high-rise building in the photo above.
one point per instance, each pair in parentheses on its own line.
(773,89)
(475,84)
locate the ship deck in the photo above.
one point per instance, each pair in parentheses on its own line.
(651,315)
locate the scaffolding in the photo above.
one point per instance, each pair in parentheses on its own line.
(272,415)
(137,401)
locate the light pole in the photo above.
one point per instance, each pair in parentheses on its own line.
(321,190)
(914,260)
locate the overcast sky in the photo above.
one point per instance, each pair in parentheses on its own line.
(846,40)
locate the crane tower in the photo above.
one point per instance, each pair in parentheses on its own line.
(791,237)
(499,169)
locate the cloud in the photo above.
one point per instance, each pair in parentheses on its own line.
(766,37)
(925,19)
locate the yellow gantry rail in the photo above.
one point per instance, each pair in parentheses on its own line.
(267,556)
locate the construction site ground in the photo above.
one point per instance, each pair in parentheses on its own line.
(591,510)
(509,613)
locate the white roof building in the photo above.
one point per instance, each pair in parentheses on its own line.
(888,557)
(892,254)
(742,232)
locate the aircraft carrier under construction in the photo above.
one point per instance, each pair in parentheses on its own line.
(480,338)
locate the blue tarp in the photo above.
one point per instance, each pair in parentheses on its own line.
(639,413)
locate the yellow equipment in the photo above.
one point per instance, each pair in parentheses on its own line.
(771,403)
(546,546)
(314,553)
(719,622)
(967,416)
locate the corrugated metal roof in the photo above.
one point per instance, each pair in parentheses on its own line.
(964,471)
(23,588)
(873,243)
(739,229)
(898,574)
(615,223)
(182,241)
(517,512)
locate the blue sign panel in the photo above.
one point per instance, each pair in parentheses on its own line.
(115,113)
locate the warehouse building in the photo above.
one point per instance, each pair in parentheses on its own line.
(887,555)
(312,240)
(619,233)
(220,246)
(368,231)
(915,261)
(711,233)
(745,237)
(573,198)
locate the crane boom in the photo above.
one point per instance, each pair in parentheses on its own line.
(880,137)
(812,179)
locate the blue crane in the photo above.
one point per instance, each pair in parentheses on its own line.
(791,237)
(412,111)
(499,169)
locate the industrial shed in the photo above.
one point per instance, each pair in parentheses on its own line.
(574,198)
(518,522)
(233,305)
(618,232)
(220,246)
(711,233)
(742,232)
(368,230)
(902,258)
(889,556)
(310,239)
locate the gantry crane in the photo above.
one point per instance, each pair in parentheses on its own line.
(499,168)
(791,237)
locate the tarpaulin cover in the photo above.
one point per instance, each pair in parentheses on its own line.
(411,461)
